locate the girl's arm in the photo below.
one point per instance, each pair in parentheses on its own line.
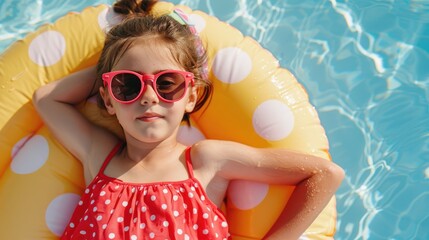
(316,179)
(55,102)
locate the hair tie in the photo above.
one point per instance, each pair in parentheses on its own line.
(182,18)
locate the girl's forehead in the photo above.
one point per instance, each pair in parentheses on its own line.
(147,57)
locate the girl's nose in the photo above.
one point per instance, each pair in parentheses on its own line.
(149,96)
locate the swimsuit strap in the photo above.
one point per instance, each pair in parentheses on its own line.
(189,162)
(110,156)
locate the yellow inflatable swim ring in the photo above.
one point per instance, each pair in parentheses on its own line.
(255,102)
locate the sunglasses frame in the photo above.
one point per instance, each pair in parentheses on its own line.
(108,77)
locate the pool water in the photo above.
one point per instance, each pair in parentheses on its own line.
(365,65)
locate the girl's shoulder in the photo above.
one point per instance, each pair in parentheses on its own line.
(206,149)
(218,152)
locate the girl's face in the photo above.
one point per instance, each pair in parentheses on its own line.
(149,119)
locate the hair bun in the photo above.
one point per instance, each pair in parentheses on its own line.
(133,7)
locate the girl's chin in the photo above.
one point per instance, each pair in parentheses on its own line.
(151,137)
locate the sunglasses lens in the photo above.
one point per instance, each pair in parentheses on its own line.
(171,86)
(126,86)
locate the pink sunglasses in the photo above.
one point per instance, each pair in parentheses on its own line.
(127,86)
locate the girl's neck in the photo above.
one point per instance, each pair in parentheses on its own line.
(137,151)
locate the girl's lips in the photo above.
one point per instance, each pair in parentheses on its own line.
(148,117)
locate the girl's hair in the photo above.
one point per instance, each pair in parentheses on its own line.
(164,30)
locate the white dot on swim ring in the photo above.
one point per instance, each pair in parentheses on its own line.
(31,156)
(59,212)
(231,65)
(189,135)
(108,19)
(18,145)
(273,120)
(198,22)
(247,195)
(47,48)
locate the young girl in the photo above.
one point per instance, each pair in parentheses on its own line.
(149,186)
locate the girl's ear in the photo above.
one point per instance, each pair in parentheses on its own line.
(192,100)
(107,101)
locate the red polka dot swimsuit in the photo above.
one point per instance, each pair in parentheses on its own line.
(113,209)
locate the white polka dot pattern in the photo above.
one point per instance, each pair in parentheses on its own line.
(33,153)
(198,22)
(119,210)
(189,135)
(273,120)
(59,212)
(47,48)
(231,65)
(237,188)
(108,19)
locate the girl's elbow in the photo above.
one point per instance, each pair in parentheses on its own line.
(39,97)
(336,172)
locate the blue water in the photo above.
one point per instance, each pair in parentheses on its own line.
(365,65)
